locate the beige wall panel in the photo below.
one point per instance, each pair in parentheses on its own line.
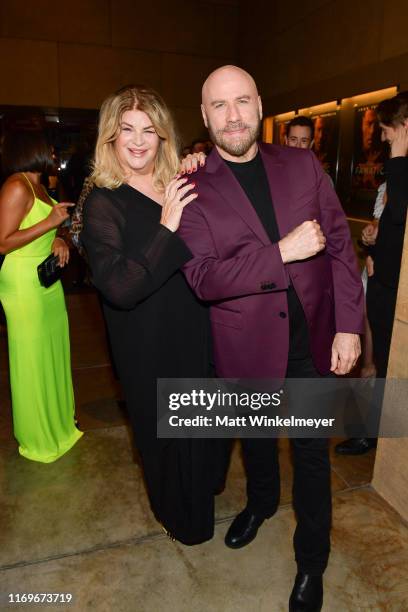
(394,34)
(390,470)
(183,77)
(84,21)
(391,474)
(89,74)
(189,123)
(402,302)
(397,365)
(29,72)
(225,39)
(178,26)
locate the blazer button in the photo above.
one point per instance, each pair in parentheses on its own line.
(282,315)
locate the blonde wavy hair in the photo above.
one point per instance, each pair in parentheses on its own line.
(107,171)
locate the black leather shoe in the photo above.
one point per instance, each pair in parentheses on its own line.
(243,529)
(307,594)
(355,446)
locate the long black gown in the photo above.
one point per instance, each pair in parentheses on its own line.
(157,328)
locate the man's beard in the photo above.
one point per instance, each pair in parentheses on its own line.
(241,145)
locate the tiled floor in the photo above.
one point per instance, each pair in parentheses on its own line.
(83,524)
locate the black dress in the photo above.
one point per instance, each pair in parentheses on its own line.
(382,287)
(157,328)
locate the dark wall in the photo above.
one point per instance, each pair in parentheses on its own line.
(305,53)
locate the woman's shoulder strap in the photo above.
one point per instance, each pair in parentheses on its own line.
(27,180)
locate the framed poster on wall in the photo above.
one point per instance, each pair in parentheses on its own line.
(369,155)
(279,131)
(326,141)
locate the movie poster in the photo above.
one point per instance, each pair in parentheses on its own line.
(279,132)
(369,155)
(326,141)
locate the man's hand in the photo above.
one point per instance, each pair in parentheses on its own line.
(304,241)
(346,350)
(369,234)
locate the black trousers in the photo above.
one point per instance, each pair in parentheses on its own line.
(311,485)
(381,301)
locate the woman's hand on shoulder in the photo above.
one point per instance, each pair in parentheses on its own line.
(191,162)
(176,196)
(60,248)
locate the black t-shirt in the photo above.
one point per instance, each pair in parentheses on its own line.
(253,180)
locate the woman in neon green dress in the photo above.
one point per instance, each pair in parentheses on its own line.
(37,323)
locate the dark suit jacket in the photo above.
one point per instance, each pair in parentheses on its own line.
(238,270)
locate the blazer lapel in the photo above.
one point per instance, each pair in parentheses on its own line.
(279,186)
(225,183)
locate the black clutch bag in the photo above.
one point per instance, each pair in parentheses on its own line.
(49,271)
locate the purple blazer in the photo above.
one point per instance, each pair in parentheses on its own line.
(237,269)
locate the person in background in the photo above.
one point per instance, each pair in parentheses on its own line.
(385,239)
(368,369)
(37,322)
(208,146)
(198,146)
(157,328)
(78,167)
(299,132)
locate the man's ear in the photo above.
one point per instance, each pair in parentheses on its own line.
(260,107)
(286,140)
(204,116)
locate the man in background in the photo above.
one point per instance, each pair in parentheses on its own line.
(299,132)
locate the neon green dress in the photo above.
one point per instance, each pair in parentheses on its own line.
(39,351)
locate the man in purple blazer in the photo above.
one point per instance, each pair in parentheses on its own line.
(272,255)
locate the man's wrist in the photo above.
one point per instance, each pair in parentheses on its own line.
(283,252)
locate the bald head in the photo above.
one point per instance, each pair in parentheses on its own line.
(232,112)
(225,78)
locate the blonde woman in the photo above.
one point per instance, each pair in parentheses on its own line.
(157,327)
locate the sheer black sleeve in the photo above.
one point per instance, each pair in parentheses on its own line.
(125,278)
